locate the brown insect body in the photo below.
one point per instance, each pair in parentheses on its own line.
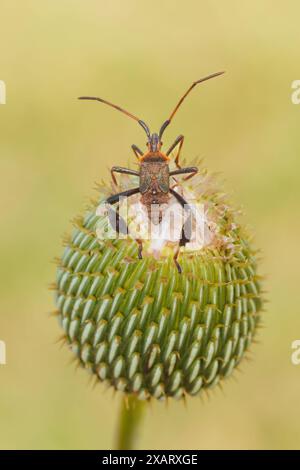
(154,175)
(154,184)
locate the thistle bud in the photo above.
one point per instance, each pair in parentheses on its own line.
(140,325)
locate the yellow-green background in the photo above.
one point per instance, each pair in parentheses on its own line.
(143,55)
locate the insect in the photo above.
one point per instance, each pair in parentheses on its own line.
(154,174)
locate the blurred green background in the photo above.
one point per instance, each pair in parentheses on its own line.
(143,55)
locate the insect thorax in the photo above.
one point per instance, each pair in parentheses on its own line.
(154,182)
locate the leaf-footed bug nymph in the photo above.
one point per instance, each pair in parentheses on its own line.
(154,173)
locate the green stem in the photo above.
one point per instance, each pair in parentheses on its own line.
(131,414)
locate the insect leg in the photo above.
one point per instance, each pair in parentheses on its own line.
(140,250)
(120,225)
(179,269)
(193,170)
(116,221)
(182,242)
(186,228)
(115,197)
(182,171)
(177,141)
(124,171)
(137,152)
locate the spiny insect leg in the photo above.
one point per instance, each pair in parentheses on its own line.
(140,250)
(116,197)
(179,141)
(184,239)
(193,170)
(124,171)
(116,221)
(175,260)
(137,152)
(186,227)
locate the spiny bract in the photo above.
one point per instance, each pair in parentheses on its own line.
(144,328)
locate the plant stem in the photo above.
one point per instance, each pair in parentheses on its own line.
(131,413)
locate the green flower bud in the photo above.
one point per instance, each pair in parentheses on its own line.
(144,328)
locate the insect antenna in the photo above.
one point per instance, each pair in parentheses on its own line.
(167,122)
(142,123)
